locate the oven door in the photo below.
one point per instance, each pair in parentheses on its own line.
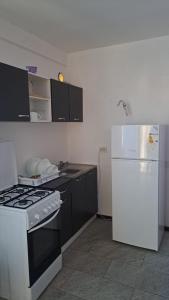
(43,245)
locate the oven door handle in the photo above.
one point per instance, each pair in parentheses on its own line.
(45,223)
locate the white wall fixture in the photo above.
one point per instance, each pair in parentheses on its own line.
(125,106)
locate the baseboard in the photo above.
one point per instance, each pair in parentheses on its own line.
(103,217)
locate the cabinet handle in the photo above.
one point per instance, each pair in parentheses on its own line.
(78,179)
(62,192)
(76,119)
(23,116)
(61,118)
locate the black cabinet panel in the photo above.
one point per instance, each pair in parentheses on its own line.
(66,217)
(78,203)
(66,212)
(67,102)
(14,97)
(91,193)
(76,103)
(60,101)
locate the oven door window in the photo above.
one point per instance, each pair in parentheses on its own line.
(43,248)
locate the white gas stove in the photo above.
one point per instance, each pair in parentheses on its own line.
(38,203)
(30,240)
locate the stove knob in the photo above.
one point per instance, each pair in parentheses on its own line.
(37,217)
(45,210)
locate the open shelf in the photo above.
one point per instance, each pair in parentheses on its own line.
(39,99)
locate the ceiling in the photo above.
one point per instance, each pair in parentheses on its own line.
(73,25)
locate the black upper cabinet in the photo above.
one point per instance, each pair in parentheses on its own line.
(14,96)
(67,102)
(60,101)
(76,104)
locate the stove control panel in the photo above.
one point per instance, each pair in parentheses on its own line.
(42,209)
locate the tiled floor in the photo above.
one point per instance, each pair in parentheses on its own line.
(96,268)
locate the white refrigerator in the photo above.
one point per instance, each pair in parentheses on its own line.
(138,184)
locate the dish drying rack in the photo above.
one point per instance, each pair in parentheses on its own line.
(36,181)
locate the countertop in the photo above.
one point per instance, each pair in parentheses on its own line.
(83,168)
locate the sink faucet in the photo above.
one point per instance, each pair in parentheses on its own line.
(61,164)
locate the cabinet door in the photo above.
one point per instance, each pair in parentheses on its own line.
(78,203)
(66,216)
(91,193)
(76,103)
(60,101)
(14,97)
(66,208)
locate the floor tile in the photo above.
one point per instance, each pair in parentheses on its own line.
(140,295)
(124,273)
(61,278)
(113,291)
(82,285)
(103,249)
(82,244)
(89,287)
(153,282)
(51,294)
(74,259)
(128,254)
(157,262)
(100,228)
(87,263)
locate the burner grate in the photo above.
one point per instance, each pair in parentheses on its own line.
(23,197)
(23,203)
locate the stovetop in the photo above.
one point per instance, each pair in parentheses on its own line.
(22,196)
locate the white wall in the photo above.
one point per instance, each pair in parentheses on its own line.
(20,49)
(136,72)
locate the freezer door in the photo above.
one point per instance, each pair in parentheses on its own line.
(135,202)
(135,142)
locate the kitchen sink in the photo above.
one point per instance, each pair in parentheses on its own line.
(71,171)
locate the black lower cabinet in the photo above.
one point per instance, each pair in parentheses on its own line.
(79,198)
(78,203)
(91,203)
(66,213)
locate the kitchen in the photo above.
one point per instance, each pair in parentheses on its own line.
(132,72)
